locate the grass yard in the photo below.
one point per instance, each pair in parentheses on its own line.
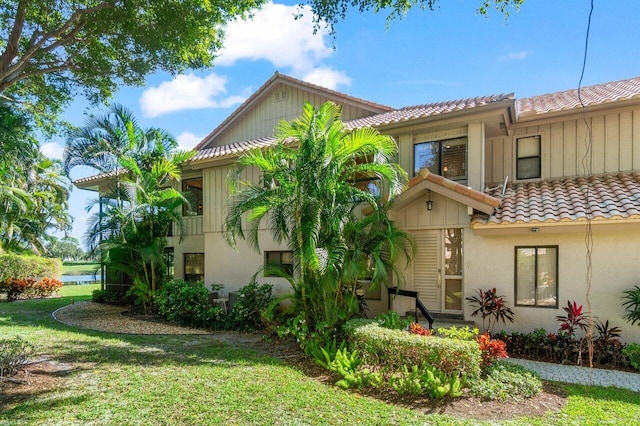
(190,379)
(80,268)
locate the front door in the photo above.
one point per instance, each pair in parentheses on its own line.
(437,269)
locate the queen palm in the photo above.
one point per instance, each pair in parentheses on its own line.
(307,195)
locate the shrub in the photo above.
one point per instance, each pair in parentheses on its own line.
(632,352)
(573,319)
(426,379)
(491,307)
(632,305)
(416,328)
(505,381)
(491,349)
(111,297)
(16,288)
(396,349)
(246,313)
(27,266)
(453,332)
(187,303)
(392,321)
(13,355)
(47,286)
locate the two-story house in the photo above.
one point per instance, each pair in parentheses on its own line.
(502,194)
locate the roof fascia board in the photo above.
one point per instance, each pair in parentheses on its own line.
(556,227)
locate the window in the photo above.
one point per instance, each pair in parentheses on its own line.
(528,158)
(194,267)
(192,190)
(278,259)
(168,261)
(537,276)
(372,186)
(446,158)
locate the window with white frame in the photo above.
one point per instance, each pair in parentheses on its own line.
(536,276)
(528,158)
(446,158)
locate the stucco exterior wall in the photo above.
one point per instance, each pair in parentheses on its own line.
(489,262)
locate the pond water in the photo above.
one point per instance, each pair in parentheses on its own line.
(80,279)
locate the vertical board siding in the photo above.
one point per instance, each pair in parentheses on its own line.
(614,143)
(626,141)
(446,213)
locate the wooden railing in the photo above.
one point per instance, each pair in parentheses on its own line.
(395,291)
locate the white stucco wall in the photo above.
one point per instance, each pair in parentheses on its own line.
(489,262)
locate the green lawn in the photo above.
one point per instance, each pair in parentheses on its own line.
(124,379)
(80,268)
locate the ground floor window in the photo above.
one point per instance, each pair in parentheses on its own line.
(282,260)
(169,262)
(194,267)
(536,276)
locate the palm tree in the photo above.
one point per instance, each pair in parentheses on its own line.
(33,189)
(307,195)
(132,231)
(104,139)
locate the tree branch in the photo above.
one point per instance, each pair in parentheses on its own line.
(63,36)
(16,32)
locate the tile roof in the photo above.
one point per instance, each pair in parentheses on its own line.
(484,198)
(100,176)
(569,100)
(232,150)
(423,111)
(608,196)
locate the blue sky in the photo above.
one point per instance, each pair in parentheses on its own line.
(447,54)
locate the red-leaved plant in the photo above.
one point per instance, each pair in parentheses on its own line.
(573,320)
(491,349)
(416,328)
(491,307)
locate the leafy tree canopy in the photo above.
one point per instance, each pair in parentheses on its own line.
(52,49)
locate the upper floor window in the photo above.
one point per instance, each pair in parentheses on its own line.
(192,190)
(528,158)
(446,158)
(537,276)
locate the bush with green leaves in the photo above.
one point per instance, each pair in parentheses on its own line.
(631,305)
(462,333)
(426,379)
(14,353)
(503,381)
(347,364)
(392,321)
(187,303)
(632,352)
(396,349)
(28,266)
(111,297)
(253,301)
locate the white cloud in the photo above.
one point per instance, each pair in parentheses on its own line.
(327,77)
(186,91)
(513,56)
(274,35)
(52,150)
(187,140)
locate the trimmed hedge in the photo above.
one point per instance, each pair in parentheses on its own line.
(28,266)
(396,349)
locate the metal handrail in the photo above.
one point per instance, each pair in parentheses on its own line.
(419,305)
